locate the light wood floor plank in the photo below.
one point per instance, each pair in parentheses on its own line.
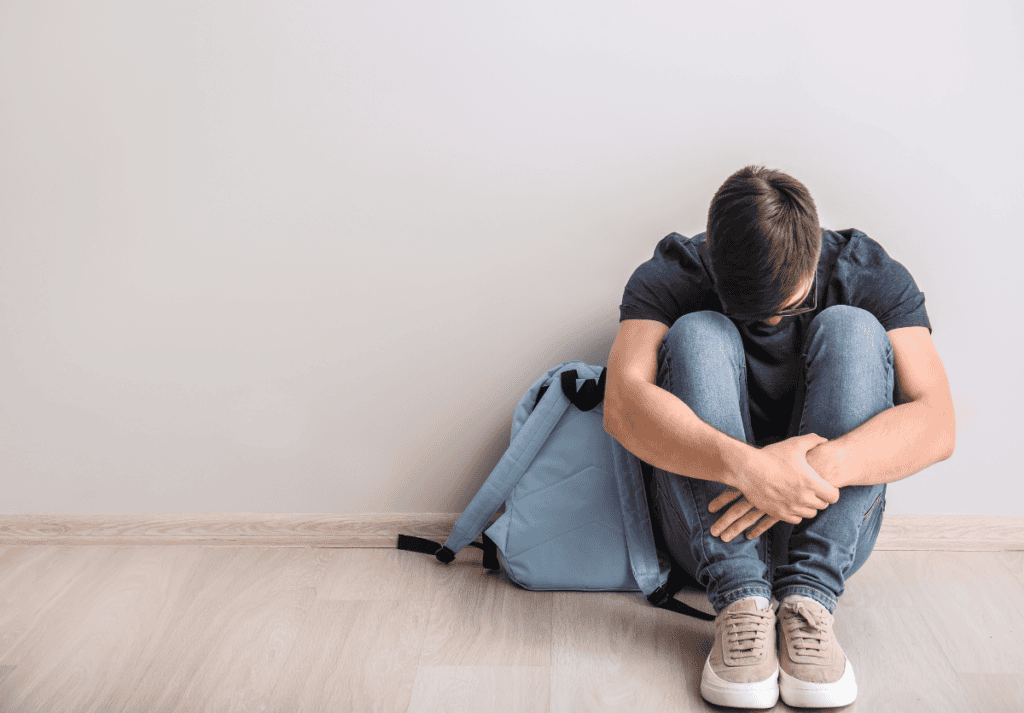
(483,619)
(1014,562)
(615,652)
(87,643)
(357,574)
(877,583)
(226,648)
(35,579)
(972,604)
(898,662)
(995,692)
(472,689)
(353,656)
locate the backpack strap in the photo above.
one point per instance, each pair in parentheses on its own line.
(421,544)
(499,484)
(664,597)
(636,525)
(543,418)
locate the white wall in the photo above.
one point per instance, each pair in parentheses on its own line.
(307,256)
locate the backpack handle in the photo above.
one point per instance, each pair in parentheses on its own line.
(586,397)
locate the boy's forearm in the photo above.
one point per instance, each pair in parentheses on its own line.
(657,427)
(892,445)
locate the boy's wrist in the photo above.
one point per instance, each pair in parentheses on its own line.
(827,461)
(740,464)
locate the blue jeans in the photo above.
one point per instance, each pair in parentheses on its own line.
(847,364)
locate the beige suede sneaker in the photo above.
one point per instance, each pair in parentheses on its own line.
(813,671)
(742,669)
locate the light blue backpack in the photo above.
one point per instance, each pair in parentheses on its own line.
(576,515)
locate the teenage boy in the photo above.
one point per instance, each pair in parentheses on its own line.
(776,376)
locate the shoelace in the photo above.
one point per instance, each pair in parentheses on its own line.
(807,631)
(746,632)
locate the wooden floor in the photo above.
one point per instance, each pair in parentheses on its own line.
(187,628)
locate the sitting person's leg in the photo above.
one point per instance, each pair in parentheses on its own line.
(701,360)
(849,379)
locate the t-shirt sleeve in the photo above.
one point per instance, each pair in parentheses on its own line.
(667,286)
(882,286)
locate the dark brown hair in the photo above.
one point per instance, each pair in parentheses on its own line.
(763,239)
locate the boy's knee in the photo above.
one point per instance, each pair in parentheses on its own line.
(856,331)
(704,330)
(841,321)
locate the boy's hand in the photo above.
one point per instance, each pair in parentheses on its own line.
(782,482)
(778,480)
(739,517)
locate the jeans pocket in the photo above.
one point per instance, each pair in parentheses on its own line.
(873,506)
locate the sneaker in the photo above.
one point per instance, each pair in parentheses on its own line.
(742,669)
(813,671)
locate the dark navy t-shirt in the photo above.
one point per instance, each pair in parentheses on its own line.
(853,270)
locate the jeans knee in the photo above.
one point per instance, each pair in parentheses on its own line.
(704,332)
(854,331)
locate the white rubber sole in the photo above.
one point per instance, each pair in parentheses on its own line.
(802,694)
(759,694)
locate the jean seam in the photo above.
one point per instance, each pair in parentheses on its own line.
(880,503)
(704,559)
(872,508)
(844,570)
(700,539)
(860,531)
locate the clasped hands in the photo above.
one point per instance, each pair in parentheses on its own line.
(779,481)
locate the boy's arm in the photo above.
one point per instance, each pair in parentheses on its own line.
(904,439)
(656,425)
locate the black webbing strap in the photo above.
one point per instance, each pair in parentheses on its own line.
(589,395)
(664,596)
(445,555)
(584,398)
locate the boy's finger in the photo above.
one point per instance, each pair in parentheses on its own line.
(723,498)
(730,516)
(762,527)
(748,520)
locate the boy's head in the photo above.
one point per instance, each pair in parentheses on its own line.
(763,239)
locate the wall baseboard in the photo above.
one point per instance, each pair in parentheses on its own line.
(899,532)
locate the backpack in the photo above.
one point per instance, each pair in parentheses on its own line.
(576,515)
